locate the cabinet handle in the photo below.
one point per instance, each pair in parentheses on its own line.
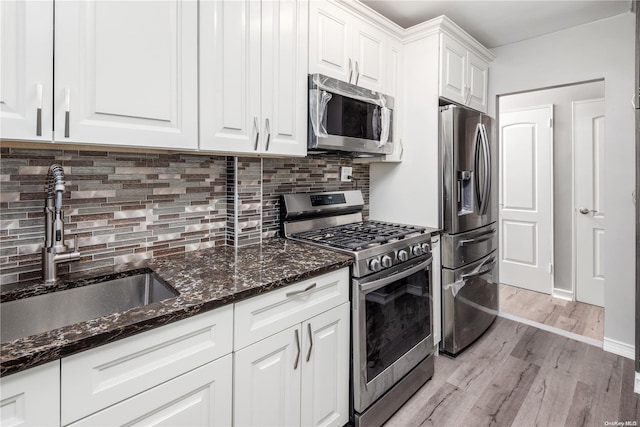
(39,111)
(255,126)
(301,291)
(310,341)
(295,365)
(357,73)
(67,111)
(268,130)
(350,70)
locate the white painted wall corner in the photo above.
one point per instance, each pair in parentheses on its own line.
(563,294)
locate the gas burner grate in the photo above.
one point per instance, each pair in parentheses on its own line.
(359,235)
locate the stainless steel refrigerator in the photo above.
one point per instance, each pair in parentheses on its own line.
(469,220)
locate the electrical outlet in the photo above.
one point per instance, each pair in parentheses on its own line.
(345,174)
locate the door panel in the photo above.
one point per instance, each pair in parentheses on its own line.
(325,374)
(588,124)
(127,73)
(452,69)
(368,54)
(266,383)
(230,75)
(26,61)
(330,43)
(526,199)
(284,77)
(478,79)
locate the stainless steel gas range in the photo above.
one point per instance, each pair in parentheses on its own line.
(392,341)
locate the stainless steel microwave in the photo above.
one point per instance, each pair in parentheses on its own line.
(347,118)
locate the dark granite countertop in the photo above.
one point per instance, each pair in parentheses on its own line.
(206,279)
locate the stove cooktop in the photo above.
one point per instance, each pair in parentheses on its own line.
(360,235)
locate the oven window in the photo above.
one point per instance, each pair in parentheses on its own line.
(398,317)
(353,118)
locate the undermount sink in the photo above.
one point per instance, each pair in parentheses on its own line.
(46,312)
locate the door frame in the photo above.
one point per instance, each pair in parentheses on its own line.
(574,227)
(553,290)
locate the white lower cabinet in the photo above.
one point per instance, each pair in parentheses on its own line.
(201,397)
(297,377)
(291,365)
(31,397)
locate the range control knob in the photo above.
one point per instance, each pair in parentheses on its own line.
(374,265)
(403,255)
(426,248)
(387,261)
(416,250)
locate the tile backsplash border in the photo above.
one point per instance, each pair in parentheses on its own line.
(128,206)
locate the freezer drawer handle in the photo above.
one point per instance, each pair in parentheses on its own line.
(492,263)
(480,238)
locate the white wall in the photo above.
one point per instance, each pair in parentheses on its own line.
(561,98)
(601,49)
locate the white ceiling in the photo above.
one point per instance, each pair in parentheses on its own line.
(496,23)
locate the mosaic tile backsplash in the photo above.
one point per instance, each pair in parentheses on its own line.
(128,206)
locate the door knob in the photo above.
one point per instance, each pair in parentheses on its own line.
(585,211)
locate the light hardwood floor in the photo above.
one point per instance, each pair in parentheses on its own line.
(518,375)
(580,318)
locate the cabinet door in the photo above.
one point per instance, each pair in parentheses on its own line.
(267,381)
(453,74)
(478,78)
(330,42)
(31,397)
(284,77)
(369,45)
(126,72)
(230,75)
(26,63)
(201,397)
(325,371)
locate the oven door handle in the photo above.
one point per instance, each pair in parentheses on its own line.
(377,284)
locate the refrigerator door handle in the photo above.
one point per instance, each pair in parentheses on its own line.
(479,186)
(487,169)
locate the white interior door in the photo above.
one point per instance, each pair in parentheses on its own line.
(526,209)
(588,139)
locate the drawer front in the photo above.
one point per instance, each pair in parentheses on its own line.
(97,378)
(199,398)
(264,315)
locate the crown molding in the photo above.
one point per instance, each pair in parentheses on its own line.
(441,24)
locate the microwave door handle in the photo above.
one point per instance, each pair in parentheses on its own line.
(377,284)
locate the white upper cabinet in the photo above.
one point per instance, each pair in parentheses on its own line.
(346,48)
(26,61)
(253,77)
(464,76)
(126,73)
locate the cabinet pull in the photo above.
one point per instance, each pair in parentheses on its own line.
(301,291)
(350,70)
(39,111)
(255,126)
(310,341)
(357,73)
(67,111)
(268,130)
(295,365)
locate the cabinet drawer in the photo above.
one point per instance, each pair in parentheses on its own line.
(199,398)
(97,378)
(265,315)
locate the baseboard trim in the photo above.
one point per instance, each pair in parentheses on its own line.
(619,348)
(637,384)
(587,340)
(562,294)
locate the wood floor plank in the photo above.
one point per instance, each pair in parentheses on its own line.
(516,376)
(629,408)
(500,402)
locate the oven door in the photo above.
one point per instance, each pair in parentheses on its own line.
(391,328)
